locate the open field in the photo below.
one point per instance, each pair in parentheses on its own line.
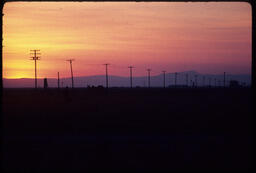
(127,129)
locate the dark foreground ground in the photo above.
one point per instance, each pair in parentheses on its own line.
(123,129)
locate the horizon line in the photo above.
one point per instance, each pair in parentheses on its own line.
(129,76)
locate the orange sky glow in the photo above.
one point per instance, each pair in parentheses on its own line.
(174,36)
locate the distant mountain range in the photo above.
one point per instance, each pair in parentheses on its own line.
(119,81)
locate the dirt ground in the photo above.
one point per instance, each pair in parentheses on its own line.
(127,129)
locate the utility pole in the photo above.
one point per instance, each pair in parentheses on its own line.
(70,61)
(215,80)
(187,79)
(35,57)
(175,80)
(131,74)
(106,74)
(149,77)
(164,77)
(210,82)
(224,80)
(58,79)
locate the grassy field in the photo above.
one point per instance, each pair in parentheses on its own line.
(127,129)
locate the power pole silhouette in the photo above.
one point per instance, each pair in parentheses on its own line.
(187,79)
(35,57)
(215,80)
(131,74)
(175,80)
(106,74)
(149,77)
(224,80)
(70,61)
(58,79)
(164,77)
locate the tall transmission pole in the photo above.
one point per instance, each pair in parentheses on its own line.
(70,61)
(131,74)
(224,80)
(149,77)
(106,74)
(164,77)
(35,57)
(175,80)
(58,79)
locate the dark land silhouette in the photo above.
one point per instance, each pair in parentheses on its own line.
(182,78)
(127,129)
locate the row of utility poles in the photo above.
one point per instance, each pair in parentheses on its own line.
(36,57)
(149,70)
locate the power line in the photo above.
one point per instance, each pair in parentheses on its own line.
(70,61)
(35,58)
(118,66)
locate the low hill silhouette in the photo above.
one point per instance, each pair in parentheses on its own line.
(120,81)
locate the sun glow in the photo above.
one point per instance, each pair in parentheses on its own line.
(206,37)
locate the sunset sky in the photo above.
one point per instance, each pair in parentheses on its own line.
(208,37)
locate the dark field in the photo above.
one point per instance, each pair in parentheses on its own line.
(124,129)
